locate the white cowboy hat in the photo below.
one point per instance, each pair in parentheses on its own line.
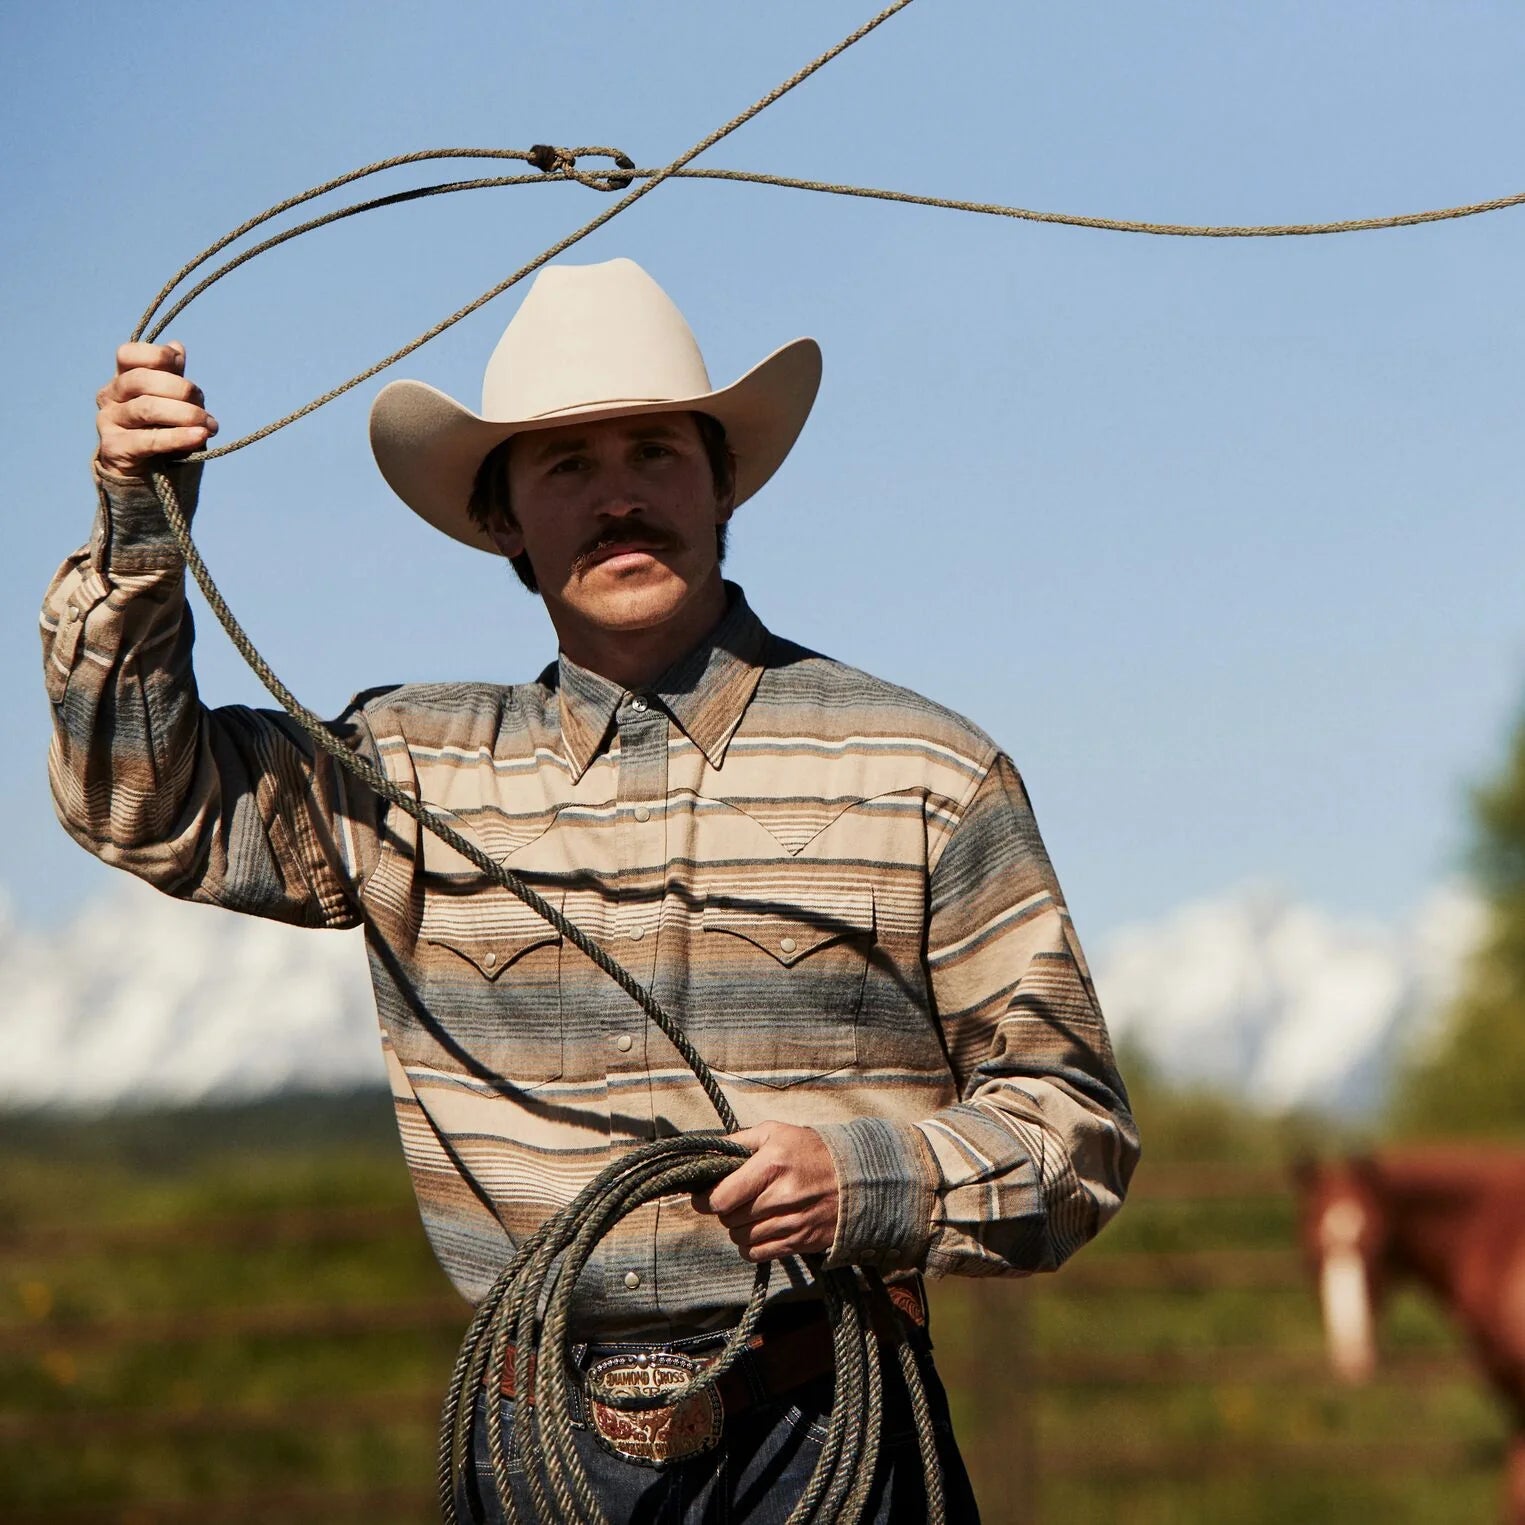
(588,342)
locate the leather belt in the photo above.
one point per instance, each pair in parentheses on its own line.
(778,1360)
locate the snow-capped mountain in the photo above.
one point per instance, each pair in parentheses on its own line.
(141,1000)
(1284,1004)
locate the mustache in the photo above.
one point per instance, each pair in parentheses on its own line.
(640,532)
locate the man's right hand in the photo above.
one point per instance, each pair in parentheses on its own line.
(148,409)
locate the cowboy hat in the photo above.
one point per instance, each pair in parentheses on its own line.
(588,342)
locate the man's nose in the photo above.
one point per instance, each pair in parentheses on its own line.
(621,496)
(620,506)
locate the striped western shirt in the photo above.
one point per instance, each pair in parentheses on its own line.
(835,885)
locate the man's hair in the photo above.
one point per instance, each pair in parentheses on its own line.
(490,508)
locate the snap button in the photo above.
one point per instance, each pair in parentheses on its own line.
(637,933)
(642,813)
(632,1280)
(490,960)
(73,613)
(788,944)
(623,1043)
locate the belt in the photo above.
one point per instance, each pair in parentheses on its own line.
(792,1347)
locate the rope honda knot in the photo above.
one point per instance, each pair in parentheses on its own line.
(551,160)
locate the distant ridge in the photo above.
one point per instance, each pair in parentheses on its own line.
(141,1001)
(1282,1004)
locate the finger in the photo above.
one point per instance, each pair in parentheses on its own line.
(758,1253)
(738,1189)
(145,445)
(725,1194)
(784,1191)
(704,1197)
(133,433)
(743,1217)
(141,382)
(766,1230)
(800,1242)
(781,1197)
(151,442)
(151,412)
(153,357)
(787,1192)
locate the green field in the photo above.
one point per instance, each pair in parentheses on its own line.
(232,1316)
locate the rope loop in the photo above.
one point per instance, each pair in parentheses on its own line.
(561,164)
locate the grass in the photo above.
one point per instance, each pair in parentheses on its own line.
(336,1421)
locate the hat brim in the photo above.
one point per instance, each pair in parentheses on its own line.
(429,447)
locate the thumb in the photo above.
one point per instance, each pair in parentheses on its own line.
(737,1185)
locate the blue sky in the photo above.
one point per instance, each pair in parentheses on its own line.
(1221,539)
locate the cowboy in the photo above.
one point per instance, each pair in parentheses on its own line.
(837,885)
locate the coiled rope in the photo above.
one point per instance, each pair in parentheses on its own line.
(529,1306)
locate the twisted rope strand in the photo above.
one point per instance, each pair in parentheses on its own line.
(396,198)
(563,171)
(1110,224)
(418,156)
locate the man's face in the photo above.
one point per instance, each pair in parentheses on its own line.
(617,517)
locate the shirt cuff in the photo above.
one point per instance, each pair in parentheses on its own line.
(886,1191)
(131,534)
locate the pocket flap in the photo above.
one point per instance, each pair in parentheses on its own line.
(498,940)
(789,931)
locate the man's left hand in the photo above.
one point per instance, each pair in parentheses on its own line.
(782,1201)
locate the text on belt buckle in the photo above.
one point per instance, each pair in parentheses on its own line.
(654,1436)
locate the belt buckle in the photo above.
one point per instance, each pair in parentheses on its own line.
(653,1437)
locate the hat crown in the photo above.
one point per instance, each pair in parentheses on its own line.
(588,335)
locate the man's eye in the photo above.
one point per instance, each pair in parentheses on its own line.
(568,463)
(652,450)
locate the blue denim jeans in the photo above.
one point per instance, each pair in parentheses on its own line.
(756,1475)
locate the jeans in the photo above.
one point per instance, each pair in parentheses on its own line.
(756,1474)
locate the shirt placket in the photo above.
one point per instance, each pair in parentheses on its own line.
(641,834)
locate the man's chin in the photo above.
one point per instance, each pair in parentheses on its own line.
(629,602)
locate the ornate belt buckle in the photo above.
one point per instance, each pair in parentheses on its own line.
(655,1436)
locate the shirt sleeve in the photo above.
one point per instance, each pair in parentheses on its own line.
(232,806)
(1036,1154)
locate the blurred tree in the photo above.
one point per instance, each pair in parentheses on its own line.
(1471,1080)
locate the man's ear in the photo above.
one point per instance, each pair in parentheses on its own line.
(504,532)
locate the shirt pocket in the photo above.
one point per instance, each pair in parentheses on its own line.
(780,983)
(494,978)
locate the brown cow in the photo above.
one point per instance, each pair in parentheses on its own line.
(1452,1217)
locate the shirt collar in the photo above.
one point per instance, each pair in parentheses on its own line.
(706,692)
